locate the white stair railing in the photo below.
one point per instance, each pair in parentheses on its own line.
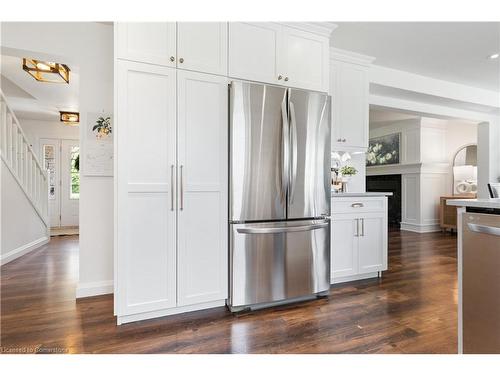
(22,162)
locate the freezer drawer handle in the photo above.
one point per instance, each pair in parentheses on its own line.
(484,229)
(356,205)
(298,228)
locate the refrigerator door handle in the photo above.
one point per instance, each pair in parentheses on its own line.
(284,147)
(293,141)
(293,228)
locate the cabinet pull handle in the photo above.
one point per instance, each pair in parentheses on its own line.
(356,205)
(172,58)
(362,227)
(356,232)
(172,187)
(339,140)
(182,189)
(280,77)
(181,60)
(343,139)
(286,79)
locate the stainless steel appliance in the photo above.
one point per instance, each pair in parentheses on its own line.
(279,194)
(481,283)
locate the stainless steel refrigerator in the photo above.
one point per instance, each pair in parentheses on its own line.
(279,193)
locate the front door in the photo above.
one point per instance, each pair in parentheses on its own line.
(59,158)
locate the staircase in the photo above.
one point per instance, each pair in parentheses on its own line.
(22,162)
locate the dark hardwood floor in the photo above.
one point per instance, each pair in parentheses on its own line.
(412,309)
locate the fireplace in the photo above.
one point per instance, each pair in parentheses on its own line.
(388,183)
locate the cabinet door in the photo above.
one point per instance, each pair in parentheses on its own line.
(344,246)
(372,243)
(202,46)
(350,103)
(145,153)
(303,60)
(203,164)
(253,51)
(148,42)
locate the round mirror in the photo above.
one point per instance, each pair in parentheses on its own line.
(465,170)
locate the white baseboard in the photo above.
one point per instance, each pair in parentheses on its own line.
(174,310)
(92,289)
(22,250)
(420,228)
(337,280)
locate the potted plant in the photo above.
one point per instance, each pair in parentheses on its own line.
(347,172)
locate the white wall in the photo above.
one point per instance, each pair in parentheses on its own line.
(22,229)
(89,46)
(37,129)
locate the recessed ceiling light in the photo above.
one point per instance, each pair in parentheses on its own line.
(494,56)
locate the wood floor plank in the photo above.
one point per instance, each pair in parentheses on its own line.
(411,309)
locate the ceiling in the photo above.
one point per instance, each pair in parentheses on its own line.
(30,99)
(451,51)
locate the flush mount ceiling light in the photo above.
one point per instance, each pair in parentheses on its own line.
(69,118)
(494,56)
(44,71)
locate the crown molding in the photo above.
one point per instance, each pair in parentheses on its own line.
(350,57)
(320,28)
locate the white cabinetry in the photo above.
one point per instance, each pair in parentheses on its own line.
(202,215)
(278,54)
(198,46)
(350,91)
(171,206)
(146,218)
(202,46)
(149,42)
(359,238)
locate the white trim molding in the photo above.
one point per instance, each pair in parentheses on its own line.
(420,228)
(350,57)
(95,288)
(320,28)
(22,250)
(165,312)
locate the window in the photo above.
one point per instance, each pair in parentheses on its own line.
(74,172)
(49,163)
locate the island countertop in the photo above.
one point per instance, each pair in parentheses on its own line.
(480,203)
(366,194)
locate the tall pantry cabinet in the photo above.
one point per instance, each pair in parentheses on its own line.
(171,170)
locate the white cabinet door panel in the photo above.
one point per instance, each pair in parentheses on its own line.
(146,148)
(150,277)
(202,161)
(148,42)
(350,103)
(253,49)
(304,60)
(202,46)
(372,243)
(344,246)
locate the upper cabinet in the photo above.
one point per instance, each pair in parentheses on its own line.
(304,59)
(148,42)
(278,54)
(253,50)
(202,47)
(350,90)
(198,46)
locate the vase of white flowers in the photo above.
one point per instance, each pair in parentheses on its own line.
(347,172)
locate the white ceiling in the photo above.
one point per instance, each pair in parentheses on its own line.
(452,51)
(35,100)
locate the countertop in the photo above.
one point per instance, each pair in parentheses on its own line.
(367,194)
(482,203)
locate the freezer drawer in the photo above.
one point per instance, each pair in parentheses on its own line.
(277,261)
(481,283)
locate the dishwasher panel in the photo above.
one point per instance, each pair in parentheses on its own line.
(481,283)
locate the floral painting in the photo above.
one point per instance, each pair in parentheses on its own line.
(383,150)
(102,127)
